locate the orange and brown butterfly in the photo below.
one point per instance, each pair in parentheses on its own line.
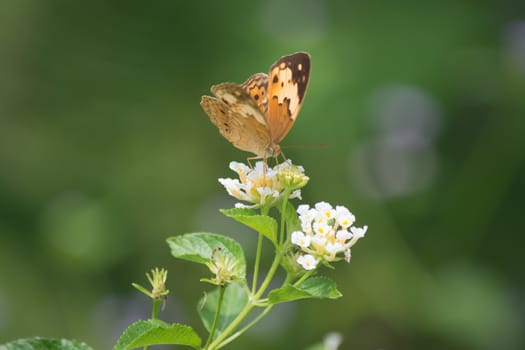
(256,115)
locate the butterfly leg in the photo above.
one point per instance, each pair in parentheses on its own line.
(249,159)
(280,154)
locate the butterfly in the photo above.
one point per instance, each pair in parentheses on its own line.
(256,115)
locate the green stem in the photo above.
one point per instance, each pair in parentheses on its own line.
(303,278)
(156,308)
(257,262)
(155,312)
(269,276)
(258,254)
(216,318)
(283,215)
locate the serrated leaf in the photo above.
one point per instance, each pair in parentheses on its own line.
(314,287)
(265,225)
(234,299)
(38,343)
(154,332)
(199,247)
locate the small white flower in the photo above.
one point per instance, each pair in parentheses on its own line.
(323,206)
(324,211)
(295,194)
(334,248)
(307,261)
(310,215)
(318,241)
(327,233)
(239,168)
(359,232)
(241,205)
(233,186)
(343,235)
(265,191)
(300,239)
(344,217)
(321,228)
(306,227)
(303,209)
(261,184)
(259,169)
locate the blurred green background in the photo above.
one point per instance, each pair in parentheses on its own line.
(105,152)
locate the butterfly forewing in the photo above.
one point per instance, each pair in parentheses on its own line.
(287,83)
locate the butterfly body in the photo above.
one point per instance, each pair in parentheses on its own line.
(256,116)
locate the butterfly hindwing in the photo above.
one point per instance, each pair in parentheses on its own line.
(257,87)
(237,117)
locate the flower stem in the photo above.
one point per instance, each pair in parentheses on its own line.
(156,308)
(303,278)
(264,211)
(257,262)
(283,215)
(216,318)
(155,312)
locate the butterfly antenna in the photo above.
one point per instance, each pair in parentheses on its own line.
(316,146)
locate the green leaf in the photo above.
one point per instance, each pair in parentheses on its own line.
(44,344)
(238,211)
(154,332)
(263,224)
(198,247)
(314,287)
(234,299)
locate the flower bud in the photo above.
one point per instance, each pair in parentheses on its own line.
(224,267)
(292,177)
(157,279)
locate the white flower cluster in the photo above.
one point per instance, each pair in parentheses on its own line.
(326,232)
(262,185)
